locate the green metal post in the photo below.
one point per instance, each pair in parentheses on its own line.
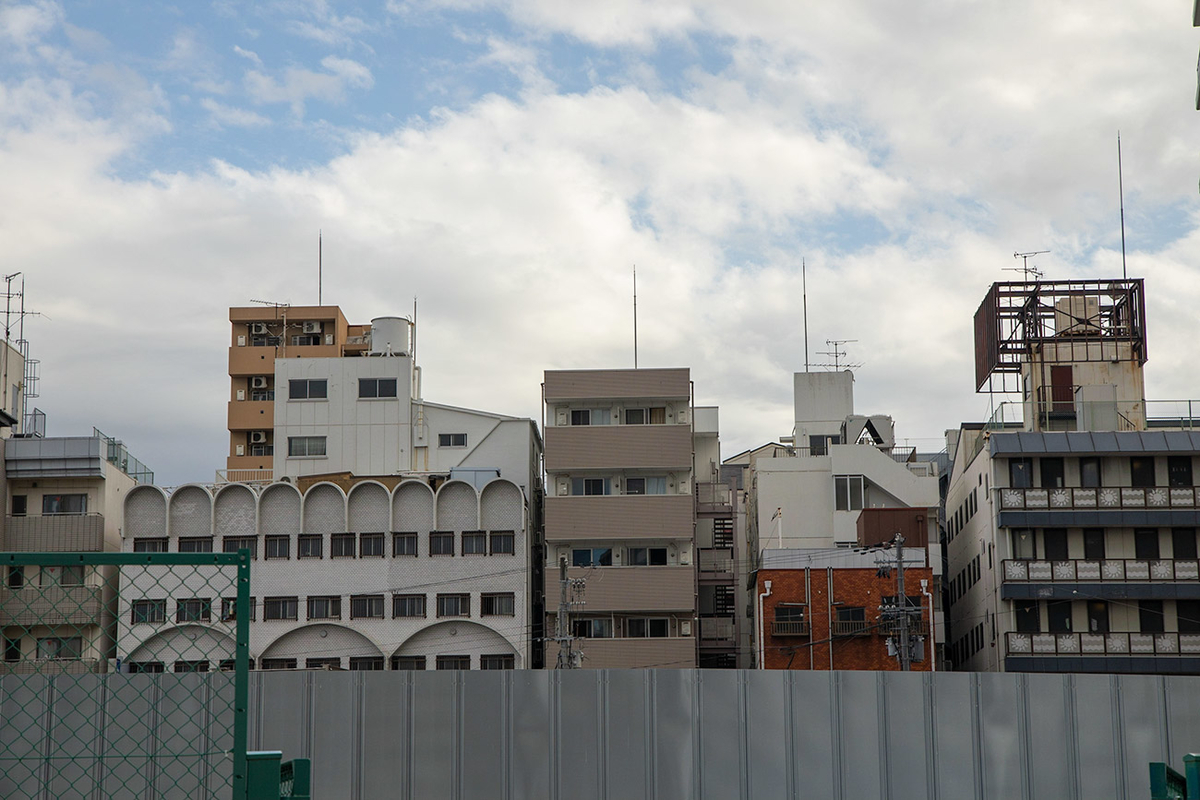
(262,774)
(1191,772)
(241,692)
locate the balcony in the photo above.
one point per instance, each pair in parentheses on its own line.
(245,475)
(779,628)
(641,589)
(627,517)
(53,666)
(716,563)
(1103,498)
(1103,644)
(716,630)
(676,652)
(248,415)
(850,627)
(1109,569)
(54,533)
(50,605)
(714,498)
(613,447)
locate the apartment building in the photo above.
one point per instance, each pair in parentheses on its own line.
(404,572)
(838,482)
(1072,513)
(63,494)
(621,513)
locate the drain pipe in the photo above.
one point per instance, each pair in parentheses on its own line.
(932,627)
(762,625)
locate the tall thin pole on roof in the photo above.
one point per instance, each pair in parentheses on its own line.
(1121,189)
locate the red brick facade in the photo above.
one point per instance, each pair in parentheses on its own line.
(822,643)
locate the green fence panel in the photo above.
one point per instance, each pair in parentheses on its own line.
(124,675)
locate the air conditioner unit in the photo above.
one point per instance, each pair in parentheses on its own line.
(258,437)
(312,327)
(241,394)
(329,338)
(258,329)
(240,449)
(258,382)
(685,627)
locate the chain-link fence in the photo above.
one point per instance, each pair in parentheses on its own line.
(124,675)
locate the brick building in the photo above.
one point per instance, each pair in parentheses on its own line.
(825,609)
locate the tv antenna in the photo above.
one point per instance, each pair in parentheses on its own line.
(838,353)
(1025,268)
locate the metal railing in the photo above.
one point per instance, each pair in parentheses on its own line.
(1108,569)
(788,628)
(716,628)
(117,455)
(245,475)
(714,559)
(50,605)
(850,627)
(710,496)
(1103,644)
(1105,497)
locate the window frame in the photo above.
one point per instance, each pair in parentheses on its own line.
(462,662)
(452,441)
(370,388)
(232,541)
(405,536)
(511,536)
(308,539)
(407,663)
(364,606)
(847,489)
(333,606)
(304,447)
(157,608)
(302,389)
(438,543)
(281,609)
(277,540)
(184,606)
(491,599)
(408,602)
(159,542)
(52,504)
(478,540)
(377,541)
(462,602)
(338,541)
(497,661)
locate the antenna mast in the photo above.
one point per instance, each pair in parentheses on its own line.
(320,264)
(635,316)
(804,291)
(1121,189)
(838,354)
(1025,268)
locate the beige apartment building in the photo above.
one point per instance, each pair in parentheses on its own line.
(259,335)
(620,510)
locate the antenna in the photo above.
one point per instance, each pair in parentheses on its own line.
(320,264)
(1121,189)
(804,291)
(635,316)
(1025,268)
(838,354)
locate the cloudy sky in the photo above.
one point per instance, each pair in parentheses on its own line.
(509,161)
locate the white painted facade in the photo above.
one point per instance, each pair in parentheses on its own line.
(279,513)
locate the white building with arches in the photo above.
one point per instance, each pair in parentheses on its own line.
(414,572)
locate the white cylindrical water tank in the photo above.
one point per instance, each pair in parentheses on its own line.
(390,336)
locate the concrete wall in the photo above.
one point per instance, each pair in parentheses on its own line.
(659,733)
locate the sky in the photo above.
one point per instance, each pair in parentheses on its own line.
(507,163)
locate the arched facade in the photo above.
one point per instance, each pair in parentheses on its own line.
(236,511)
(191,512)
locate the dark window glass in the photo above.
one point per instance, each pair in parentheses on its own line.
(1141,470)
(20,505)
(1183,543)
(1189,615)
(453,662)
(1145,543)
(454,605)
(196,544)
(12,649)
(341,545)
(497,662)
(280,608)
(1058,615)
(1089,472)
(474,543)
(277,547)
(149,545)
(323,662)
(278,663)
(370,545)
(1052,473)
(1054,544)
(16,577)
(1020,473)
(367,606)
(325,607)
(1097,611)
(1179,471)
(193,610)
(191,666)
(408,605)
(404,544)
(64,504)
(1026,614)
(1023,544)
(408,663)
(231,544)
(309,545)
(1093,543)
(441,543)
(1150,616)
(497,605)
(503,542)
(365,663)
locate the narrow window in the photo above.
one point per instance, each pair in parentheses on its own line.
(1150,616)
(1179,471)
(408,605)
(308,545)
(371,545)
(1093,544)
(1026,614)
(366,606)
(1054,544)
(1188,615)
(1020,473)
(277,608)
(276,547)
(1141,471)
(1089,472)
(474,543)
(404,544)
(497,662)
(503,543)
(441,543)
(1053,473)
(1145,544)
(341,545)
(1183,543)
(329,607)
(497,605)
(1058,615)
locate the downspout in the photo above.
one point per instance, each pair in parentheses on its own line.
(829,602)
(808,611)
(762,625)
(932,628)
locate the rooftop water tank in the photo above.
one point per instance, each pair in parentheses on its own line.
(391,336)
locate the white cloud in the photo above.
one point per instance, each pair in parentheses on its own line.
(299,85)
(227,116)
(24,25)
(250,55)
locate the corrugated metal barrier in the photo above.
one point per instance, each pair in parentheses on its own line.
(724,734)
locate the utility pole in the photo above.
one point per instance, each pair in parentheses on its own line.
(902,602)
(568,656)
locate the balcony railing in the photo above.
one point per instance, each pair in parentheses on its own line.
(713,559)
(1103,644)
(50,605)
(850,627)
(716,628)
(244,475)
(1106,497)
(1109,569)
(56,533)
(714,497)
(53,666)
(779,628)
